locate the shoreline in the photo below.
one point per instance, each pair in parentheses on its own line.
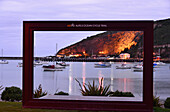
(83,59)
(11,58)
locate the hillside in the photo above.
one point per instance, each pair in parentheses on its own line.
(108,43)
(115,42)
(162,32)
(162,38)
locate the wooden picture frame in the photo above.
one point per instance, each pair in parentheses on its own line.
(28,50)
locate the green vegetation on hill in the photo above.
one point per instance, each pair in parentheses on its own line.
(162,32)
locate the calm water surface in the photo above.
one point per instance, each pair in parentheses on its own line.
(122,80)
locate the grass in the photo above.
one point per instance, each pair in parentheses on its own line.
(17,107)
(158,109)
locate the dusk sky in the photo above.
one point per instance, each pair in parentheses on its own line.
(49,42)
(14,12)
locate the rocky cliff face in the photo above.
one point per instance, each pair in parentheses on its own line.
(109,43)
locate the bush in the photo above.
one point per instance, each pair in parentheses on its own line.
(121,94)
(94,90)
(38,92)
(61,93)
(156,102)
(12,94)
(167,103)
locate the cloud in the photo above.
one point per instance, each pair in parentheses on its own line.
(14,12)
(78,2)
(13,6)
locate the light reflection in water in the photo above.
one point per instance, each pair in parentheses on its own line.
(55,83)
(122,80)
(119,84)
(1,79)
(10,75)
(124,84)
(70,78)
(111,77)
(100,77)
(49,82)
(84,74)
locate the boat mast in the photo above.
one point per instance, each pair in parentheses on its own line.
(55,55)
(56,50)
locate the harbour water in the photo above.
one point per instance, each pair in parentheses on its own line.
(119,79)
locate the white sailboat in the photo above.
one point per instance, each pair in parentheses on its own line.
(138,67)
(102,65)
(123,66)
(53,68)
(3,61)
(36,62)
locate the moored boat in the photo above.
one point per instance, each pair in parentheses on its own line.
(38,63)
(53,68)
(155,65)
(137,68)
(123,66)
(159,63)
(3,61)
(102,65)
(44,62)
(20,64)
(62,64)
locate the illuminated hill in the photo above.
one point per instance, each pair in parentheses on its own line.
(107,43)
(115,42)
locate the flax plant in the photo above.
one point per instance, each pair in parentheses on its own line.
(94,90)
(1,87)
(39,93)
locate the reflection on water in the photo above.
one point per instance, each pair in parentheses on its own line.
(1,73)
(118,79)
(122,80)
(49,80)
(124,84)
(10,75)
(84,74)
(70,79)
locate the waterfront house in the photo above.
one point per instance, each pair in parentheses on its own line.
(124,55)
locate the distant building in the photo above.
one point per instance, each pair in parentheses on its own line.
(75,55)
(124,55)
(60,55)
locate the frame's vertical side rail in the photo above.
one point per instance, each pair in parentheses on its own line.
(31,63)
(27,63)
(148,66)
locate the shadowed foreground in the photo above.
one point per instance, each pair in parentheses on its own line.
(17,107)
